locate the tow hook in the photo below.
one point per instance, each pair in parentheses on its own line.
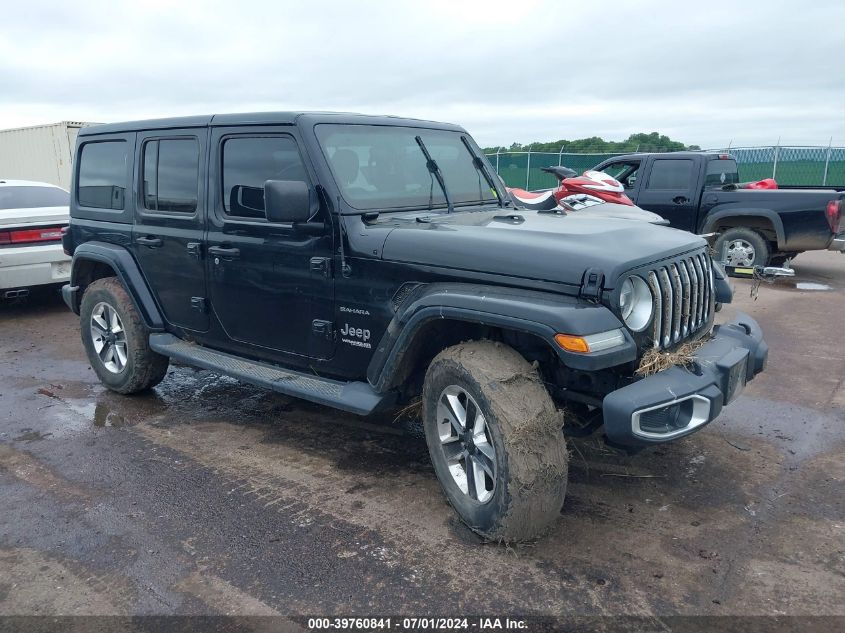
(759,274)
(765,273)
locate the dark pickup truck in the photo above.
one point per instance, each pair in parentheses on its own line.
(701,192)
(367,262)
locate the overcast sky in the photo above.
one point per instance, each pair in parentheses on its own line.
(711,73)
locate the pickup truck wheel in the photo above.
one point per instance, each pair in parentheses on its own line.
(742,247)
(117,340)
(495,439)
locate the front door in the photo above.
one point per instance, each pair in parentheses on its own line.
(270,284)
(170,221)
(672,192)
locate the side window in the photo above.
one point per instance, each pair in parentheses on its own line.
(171,175)
(102,175)
(250,161)
(675,173)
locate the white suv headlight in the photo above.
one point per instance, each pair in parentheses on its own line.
(636,303)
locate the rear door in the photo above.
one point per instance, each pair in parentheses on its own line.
(170,212)
(671,190)
(270,284)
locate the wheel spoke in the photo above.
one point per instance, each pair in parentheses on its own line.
(479,427)
(455,411)
(472,490)
(97,339)
(484,462)
(120,352)
(106,353)
(116,325)
(99,322)
(471,415)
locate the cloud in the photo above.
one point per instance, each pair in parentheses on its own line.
(705,74)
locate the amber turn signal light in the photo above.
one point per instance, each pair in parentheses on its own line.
(572,343)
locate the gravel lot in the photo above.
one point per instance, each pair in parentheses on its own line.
(207,496)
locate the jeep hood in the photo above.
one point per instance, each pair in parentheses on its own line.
(536,246)
(623,211)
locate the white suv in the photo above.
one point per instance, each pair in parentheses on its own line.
(32,216)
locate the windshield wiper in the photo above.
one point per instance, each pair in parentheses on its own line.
(479,165)
(435,171)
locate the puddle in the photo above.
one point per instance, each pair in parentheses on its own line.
(809,285)
(103,416)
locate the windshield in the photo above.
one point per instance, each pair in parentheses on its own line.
(32,197)
(384,167)
(721,172)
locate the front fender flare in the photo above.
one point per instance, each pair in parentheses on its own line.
(126,268)
(539,313)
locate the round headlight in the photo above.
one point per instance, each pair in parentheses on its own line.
(636,303)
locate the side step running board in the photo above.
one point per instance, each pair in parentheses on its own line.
(355,397)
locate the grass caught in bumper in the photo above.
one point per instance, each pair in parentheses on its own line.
(679,400)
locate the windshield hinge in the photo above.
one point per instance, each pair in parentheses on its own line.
(592,284)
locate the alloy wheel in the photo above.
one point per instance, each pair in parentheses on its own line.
(108,337)
(466,443)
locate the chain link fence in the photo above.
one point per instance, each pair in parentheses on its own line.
(789,165)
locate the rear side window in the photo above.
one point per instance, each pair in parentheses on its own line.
(675,173)
(171,175)
(250,161)
(102,175)
(32,197)
(721,172)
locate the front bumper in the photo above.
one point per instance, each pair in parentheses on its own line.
(28,266)
(679,401)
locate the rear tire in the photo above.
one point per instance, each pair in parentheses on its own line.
(517,454)
(739,246)
(117,340)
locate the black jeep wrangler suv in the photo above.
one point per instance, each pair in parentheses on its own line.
(361,262)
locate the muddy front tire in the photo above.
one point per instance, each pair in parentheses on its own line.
(495,439)
(117,340)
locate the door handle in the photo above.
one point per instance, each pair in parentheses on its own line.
(680,200)
(225,252)
(152,242)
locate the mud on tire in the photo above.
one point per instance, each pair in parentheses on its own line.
(142,368)
(523,428)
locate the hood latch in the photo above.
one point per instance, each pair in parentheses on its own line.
(591,284)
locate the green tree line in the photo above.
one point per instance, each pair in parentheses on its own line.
(640,142)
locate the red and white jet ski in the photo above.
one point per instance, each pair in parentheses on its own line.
(593,183)
(594,191)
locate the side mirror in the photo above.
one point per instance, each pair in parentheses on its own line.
(287,201)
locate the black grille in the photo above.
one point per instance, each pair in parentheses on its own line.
(683,299)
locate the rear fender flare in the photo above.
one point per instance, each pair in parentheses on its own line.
(126,269)
(714,216)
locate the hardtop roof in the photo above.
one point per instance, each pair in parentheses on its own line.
(261,118)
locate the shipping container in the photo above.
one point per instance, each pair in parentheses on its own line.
(42,152)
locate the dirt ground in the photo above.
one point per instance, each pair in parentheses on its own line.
(207,496)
